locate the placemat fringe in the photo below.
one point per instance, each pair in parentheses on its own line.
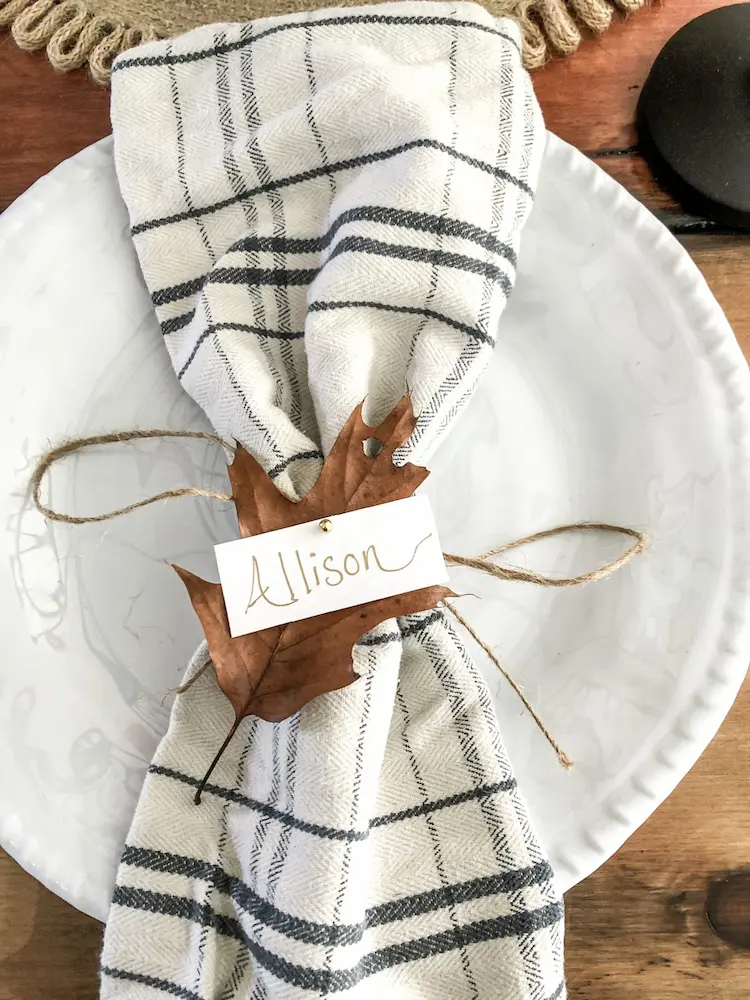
(74,34)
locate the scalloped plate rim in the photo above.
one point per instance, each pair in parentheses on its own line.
(649,785)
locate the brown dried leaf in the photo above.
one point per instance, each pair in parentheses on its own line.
(273,673)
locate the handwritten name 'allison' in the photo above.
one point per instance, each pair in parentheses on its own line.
(303,574)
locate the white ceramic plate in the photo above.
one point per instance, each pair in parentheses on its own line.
(618,393)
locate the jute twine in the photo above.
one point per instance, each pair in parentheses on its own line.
(482,562)
(93,32)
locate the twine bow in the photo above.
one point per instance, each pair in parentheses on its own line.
(482,562)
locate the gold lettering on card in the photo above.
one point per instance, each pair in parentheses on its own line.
(281,593)
(263,591)
(393,569)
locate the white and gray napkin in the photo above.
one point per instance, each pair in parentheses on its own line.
(327,207)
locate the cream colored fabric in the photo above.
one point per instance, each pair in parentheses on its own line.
(327,208)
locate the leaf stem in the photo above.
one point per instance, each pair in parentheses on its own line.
(215,761)
(240,716)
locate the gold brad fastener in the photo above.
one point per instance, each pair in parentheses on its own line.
(326,525)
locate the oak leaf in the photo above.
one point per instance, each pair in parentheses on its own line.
(272,673)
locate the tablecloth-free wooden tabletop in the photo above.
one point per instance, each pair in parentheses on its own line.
(669,916)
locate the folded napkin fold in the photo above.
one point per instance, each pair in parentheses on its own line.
(327,208)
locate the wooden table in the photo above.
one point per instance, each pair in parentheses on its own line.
(668,916)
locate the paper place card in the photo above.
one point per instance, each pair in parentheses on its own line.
(302,571)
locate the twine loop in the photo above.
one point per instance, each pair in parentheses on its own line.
(47,460)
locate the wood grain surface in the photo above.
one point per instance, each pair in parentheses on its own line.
(667,918)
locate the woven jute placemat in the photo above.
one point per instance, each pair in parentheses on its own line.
(76,32)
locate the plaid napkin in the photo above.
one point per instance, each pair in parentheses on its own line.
(327,208)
